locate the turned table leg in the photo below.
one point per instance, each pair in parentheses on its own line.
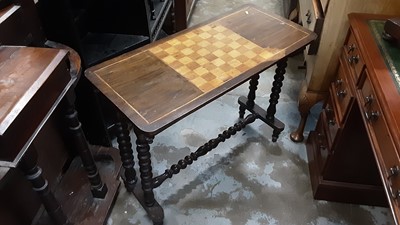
(146,174)
(40,185)
(126,153)
(268,116)
(275,91)
(97,186)
(145,195)
(251,96)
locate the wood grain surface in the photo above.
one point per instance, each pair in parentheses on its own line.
(162,82)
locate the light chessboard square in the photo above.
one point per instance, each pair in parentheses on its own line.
(210,55)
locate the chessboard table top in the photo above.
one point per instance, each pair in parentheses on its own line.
(162,82)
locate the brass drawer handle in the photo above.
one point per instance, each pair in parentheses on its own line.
(368,100)
(341,93)
(394,193)
(351,48)
(354,59)
(338,82)
(371,115)
(393,171)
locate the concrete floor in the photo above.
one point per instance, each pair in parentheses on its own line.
(247,179)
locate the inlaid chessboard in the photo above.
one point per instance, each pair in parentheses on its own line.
(160,83)
(210,55)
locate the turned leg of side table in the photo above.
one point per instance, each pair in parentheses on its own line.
(268,116)
(146,174)
(307,99)
(275,91)
(251,96)
(126,153)
(146,194)
(97,186)
(40,185)
(143,193)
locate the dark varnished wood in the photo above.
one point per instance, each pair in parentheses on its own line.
(98,187)
(388,98)
(20,24)
(150,182)
(126,153)
(358,163)
(276,88)
(35,93)
(251,96)
(27,103)
(40,185)
(379,75)
(203,150)
(74,192)
(124,78)
(159,84)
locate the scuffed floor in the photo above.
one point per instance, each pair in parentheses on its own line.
(248,179)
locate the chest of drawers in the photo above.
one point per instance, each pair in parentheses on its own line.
(354,150)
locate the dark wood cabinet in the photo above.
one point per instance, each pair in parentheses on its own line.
(354,150)
(341,160)
(98,31)
(20,25)
(40,136)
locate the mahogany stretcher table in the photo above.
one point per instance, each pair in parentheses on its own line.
(157,85)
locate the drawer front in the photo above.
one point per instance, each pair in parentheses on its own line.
(353,57)
(341,93)
(381,139)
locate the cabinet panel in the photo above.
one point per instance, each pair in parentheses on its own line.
(380,136)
